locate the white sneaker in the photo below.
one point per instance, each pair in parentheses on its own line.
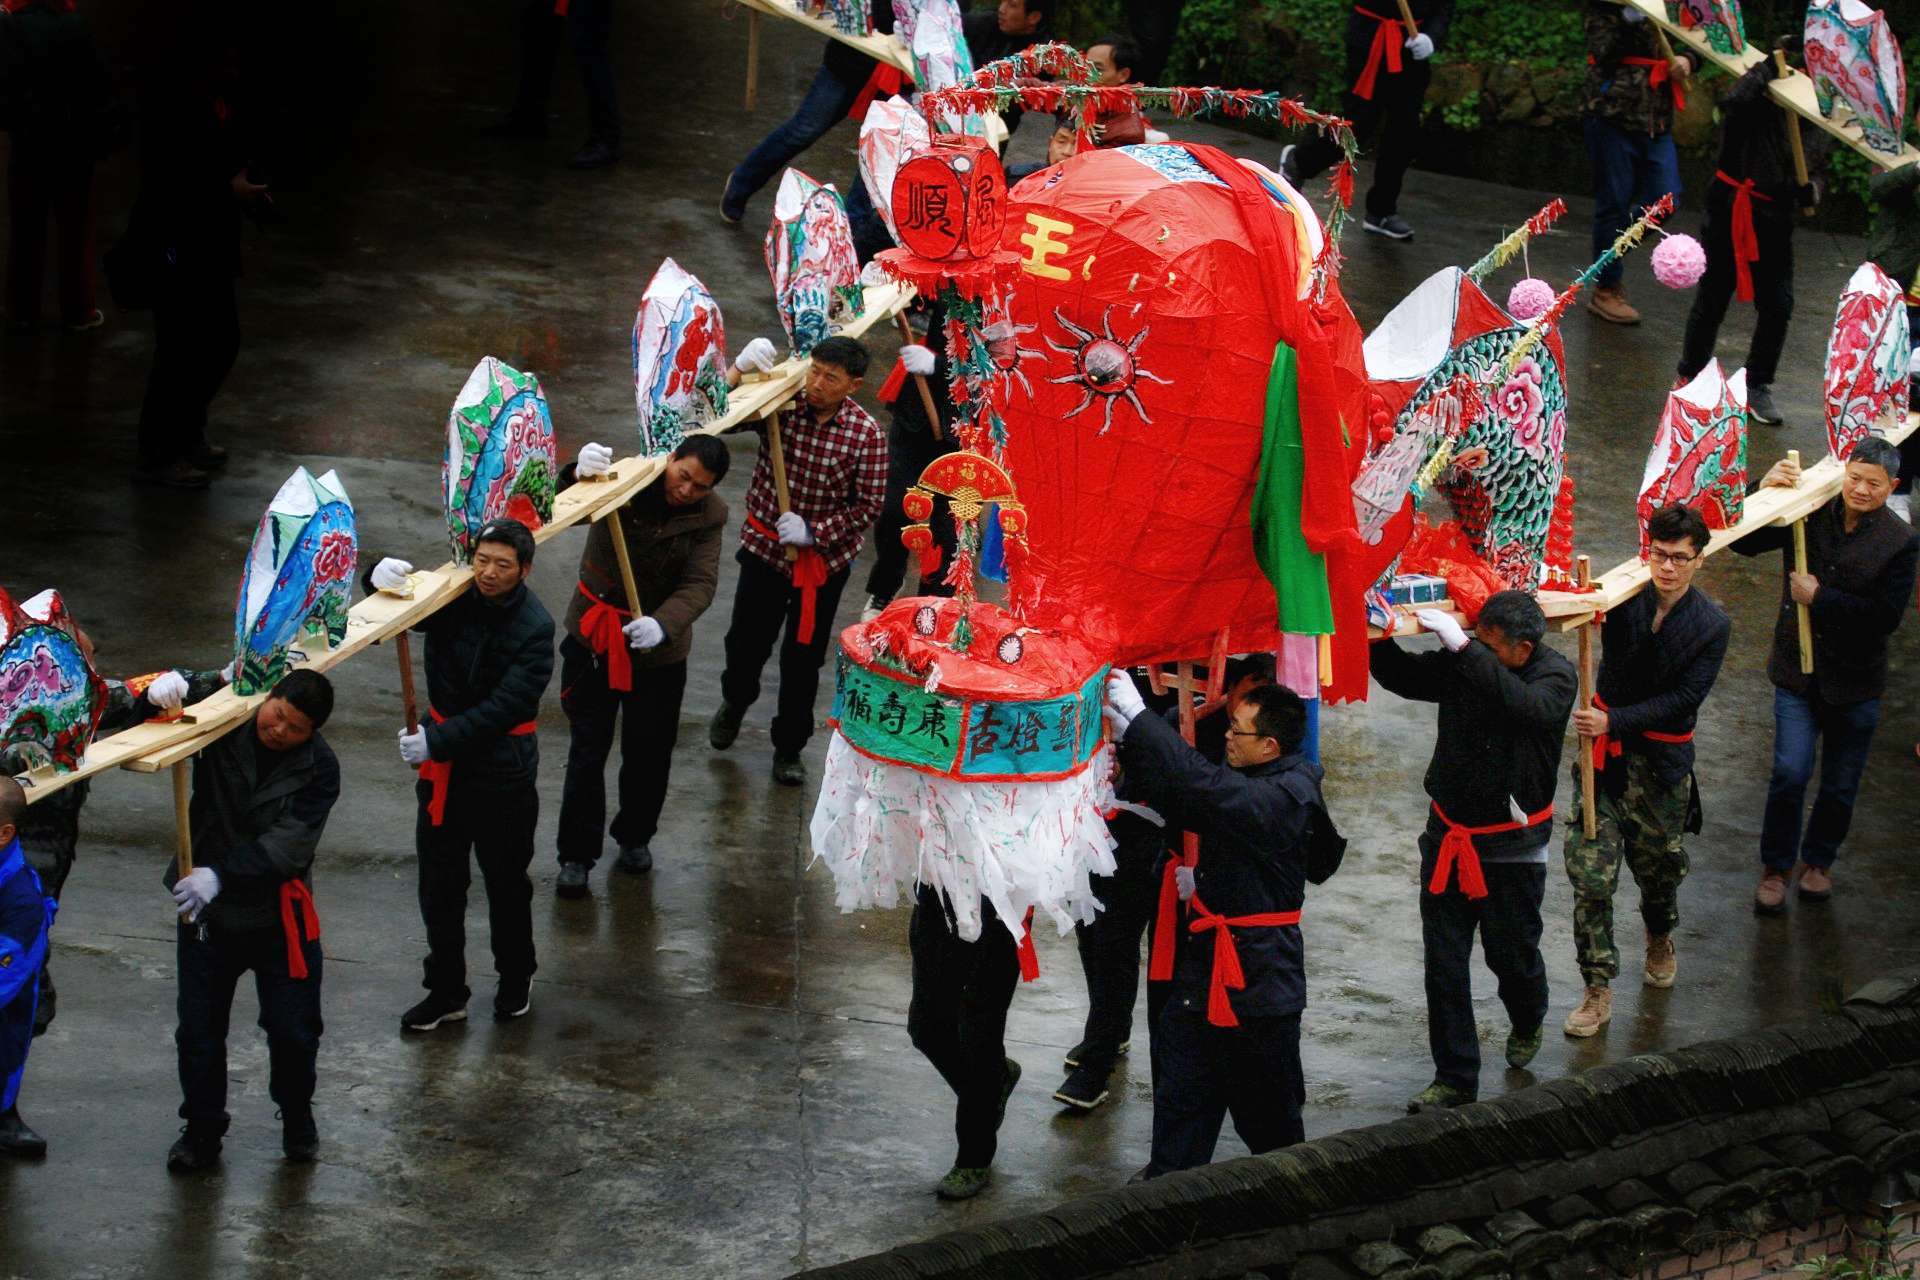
(1901,504)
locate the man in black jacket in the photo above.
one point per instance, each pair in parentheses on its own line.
(1663,650)
(1228,1039)
(261,796)
(1389,72)
(489,658)
(1748,235)
(1861,560)
(1504,700)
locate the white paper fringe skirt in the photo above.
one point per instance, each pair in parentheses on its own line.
(882,828)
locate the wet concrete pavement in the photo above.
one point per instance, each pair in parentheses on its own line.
(716,1078)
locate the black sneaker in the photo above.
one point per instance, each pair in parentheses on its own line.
(1760,405)
(16,1139)
(635,860)
(726,725)
(299,1136)
(208,457)
(1084,1088)
(730,209)
(192,1152)
(788,769)
(433,1011)
(596,154)
(1078,1054)
(1390,225)
(572,880)
(513,999)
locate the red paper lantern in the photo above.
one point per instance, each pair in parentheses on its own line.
(950,199)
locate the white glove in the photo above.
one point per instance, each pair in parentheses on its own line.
(757,356)
(1420,46)
(195,891)
(643,633)
(413,747)
(226,674)
(1183,881)
(1631,15)
(168,691)
(917,358)
(390,574)
(594,460)
(1123,701)
(1444,626)
(793,530)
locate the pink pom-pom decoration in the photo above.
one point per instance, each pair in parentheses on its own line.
(1679,262)
(1529,299)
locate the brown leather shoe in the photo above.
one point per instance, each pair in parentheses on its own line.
(1594,1012)
(1662,964)
(1612,306)
(1770,899)
(1815,883)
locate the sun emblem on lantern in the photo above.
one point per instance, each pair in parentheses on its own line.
(1105,366)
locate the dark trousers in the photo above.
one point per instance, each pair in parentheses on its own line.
(589,31)
(827,101)
(649,724)
(958,1017)
(1630,172)
(289,1014)
(1251,1071)
(766,608)
(196,336)
(52,860)
(1772,290)
(1842,735)
(908,453)
(1110,948)
(1154,24)
(1393,111)
(1508,921)
(493,821)
(60,191)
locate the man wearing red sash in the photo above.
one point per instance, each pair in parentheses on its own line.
(1504,699)
(615,665)
(1662,653)
(1228,1038)
(489,658)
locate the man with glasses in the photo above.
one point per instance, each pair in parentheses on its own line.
(1661,653)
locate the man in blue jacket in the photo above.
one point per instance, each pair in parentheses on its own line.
(1504,699)
(1228,1039)
(26,914)
(489,659)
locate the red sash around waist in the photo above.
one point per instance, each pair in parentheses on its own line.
(1457,849)
(601,626)
(297,900)
(1660,75)
(1386,45)
(439,773)
(1606,746)
(1746,241)
(809,574)
(1227,974)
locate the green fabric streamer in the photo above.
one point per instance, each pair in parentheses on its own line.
(1298,575)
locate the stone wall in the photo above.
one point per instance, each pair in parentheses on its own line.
(1785,1246)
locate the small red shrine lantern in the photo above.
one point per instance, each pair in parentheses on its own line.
(950,199)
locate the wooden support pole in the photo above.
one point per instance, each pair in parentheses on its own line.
(1406,17)
(409,700)
(1801,612)
(1589,822)
(753,58)
(1782,71)
(778,457)
(920,380)
(182,830)
(625,557)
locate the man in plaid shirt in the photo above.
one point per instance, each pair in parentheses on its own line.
(793,564)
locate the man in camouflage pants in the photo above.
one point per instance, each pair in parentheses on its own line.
(1661,654)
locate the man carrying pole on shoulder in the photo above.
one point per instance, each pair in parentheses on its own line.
(1663,650)
(489,658)
(616,664)
(1504,699)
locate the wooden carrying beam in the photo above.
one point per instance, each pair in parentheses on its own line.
(151,747)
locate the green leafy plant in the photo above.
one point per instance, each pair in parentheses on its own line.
(1880,1244)
(1463,115)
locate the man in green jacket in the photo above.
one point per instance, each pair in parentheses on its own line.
(616,664)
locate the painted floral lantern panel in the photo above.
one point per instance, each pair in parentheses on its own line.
(1504,467)
(810,256)
(1718,21)
(892,130)
(1867,378)
(1699,454)
(50,696)
(1855,61)
(298,578)
(500,454)
(940,55)
(679,358)
(849,17)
